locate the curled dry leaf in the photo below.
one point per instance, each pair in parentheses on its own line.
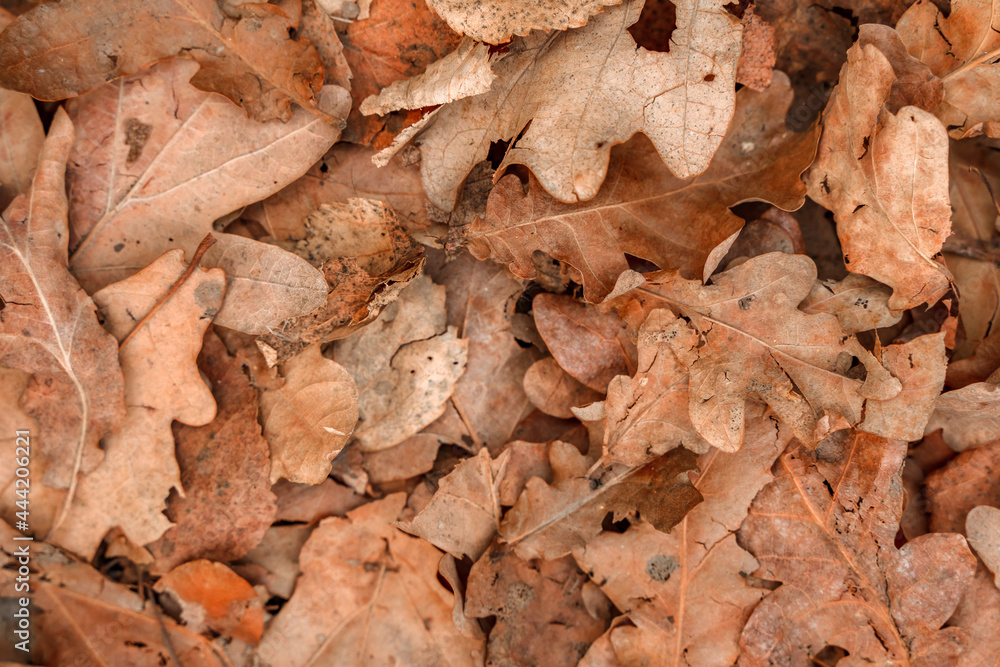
(228,504)
(21,137)
(685,590)
(212,596)
(162,384)
(570,96)
(405,364)
(860,303)
(883,173)
(982,526)
(645,211)
(310,418)
(542,616)
(380,598)
(825,528)
(551,520)
(969,417)
(554,391)
(248,57)
(463,516)
(496,21)
(49,328)
(136,190)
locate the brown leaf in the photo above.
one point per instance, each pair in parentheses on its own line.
(274,563)
(883,173)
(549,88)
(685,590)
(135,188)
(48,327)
(554,391)
(378,599)
(405,364)
(860,303)
(162,384)
(496,21)
(982,526)
(410,458)
(228,504)
(551,520)
(311,502)
(978,614)
(755,68)
(21,137)
(309,419)
(825,528)
(249,57)
(647,212)
(540,608)
(964,483)
(969,417)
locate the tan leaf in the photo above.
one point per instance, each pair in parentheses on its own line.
(685,590)
(825,528)
(274,563)
(49,328)
(884,176)
(405,364)
(860,303)
(464,514)
(647,212)
(954,490)
(551,520)
(755,68)
(587,89)
(310,419)
(982,526)
(969,417)
(249,57)
(376,601)
(554,391)
(462,73)
(978,614)
(228,504)
(410,458)
(136,190)
(162,384)
(309,503)
(21,137)
(496,21)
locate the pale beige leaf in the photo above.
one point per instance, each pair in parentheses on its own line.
(310,419)
(162,383)
(982,525)
(860,303)
(495,21)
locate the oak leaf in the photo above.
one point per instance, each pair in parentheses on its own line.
(645,211)
(129,488)
(575,94)
(554,391)
(496,21)
(860,303)
(21,137)
(969,417)
(982,528)
(963,483)
(49,327)
(978,614)
(250,57)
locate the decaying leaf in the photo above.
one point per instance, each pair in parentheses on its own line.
(248,57)
(48,327)
(570,96)
(129,488)
(647,212)
(497,20)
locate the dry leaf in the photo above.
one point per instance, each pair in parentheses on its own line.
(310,503)
(554,391)
(982,527)
(964,483)
(496,21)
(379,599)
(228,504)
(135,190)
(571,96)
(21,137)
(969,417)
(274,563)
(551,520)
(883,173)
(309,419)
(405,364)
(250,57)
(48,327)
(755,68)
(860,303)
(978,614)
(162,384)
(645,211)
(825,528)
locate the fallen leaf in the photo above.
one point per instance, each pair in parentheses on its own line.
(380,598)
(129,488)
(250,57)
(541,613)
(982,526)
(978,614)
(497,20)
(228,504)
(309,419)
(969,417)
(405,364)
(964,483)
(21,137)
(311,502)
(645,211)
(755,68)
(213,596)
(581,91)
(857,301)
(883,173)
(48,326)
(825,528)
(274,563)
(411,458)
(135,191)
(554,391)
(551,520)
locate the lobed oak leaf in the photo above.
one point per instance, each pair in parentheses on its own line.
(882,170)
(135,190)
(496,21)
(825,528)
(48,327)
(129,488)
(857,301)
(570,96)
(378,600)
(248,55)
(645,211)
